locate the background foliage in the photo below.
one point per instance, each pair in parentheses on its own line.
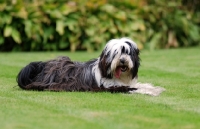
(36,25)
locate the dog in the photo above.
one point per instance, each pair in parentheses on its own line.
(115,70)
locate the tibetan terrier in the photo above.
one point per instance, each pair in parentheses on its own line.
(116,70)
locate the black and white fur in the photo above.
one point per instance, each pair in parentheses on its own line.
(116,70)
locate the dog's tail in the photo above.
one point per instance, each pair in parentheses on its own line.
(29,73)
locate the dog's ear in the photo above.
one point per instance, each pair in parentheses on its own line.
(104,65)
(136,61)
(137,51)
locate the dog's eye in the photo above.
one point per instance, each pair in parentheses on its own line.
(127,52)
(123,49)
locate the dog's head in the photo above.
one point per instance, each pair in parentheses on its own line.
(120,58)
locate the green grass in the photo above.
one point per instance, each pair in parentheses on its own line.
(177,70)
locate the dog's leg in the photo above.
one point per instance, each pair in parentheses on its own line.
(149,89)
(119,89)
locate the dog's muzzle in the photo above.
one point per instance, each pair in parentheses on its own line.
(122,67)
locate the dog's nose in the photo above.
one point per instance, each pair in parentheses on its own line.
(122,60)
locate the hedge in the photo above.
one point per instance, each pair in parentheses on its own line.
(38,25)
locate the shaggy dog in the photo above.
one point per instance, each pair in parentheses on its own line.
(115,71)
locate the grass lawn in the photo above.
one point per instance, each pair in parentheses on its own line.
(177,70)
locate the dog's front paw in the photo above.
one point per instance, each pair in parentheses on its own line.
(146,88)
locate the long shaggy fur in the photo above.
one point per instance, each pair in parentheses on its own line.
(60,74)
(114,71)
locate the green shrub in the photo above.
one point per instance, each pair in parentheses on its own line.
(170,25)
(36,25)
